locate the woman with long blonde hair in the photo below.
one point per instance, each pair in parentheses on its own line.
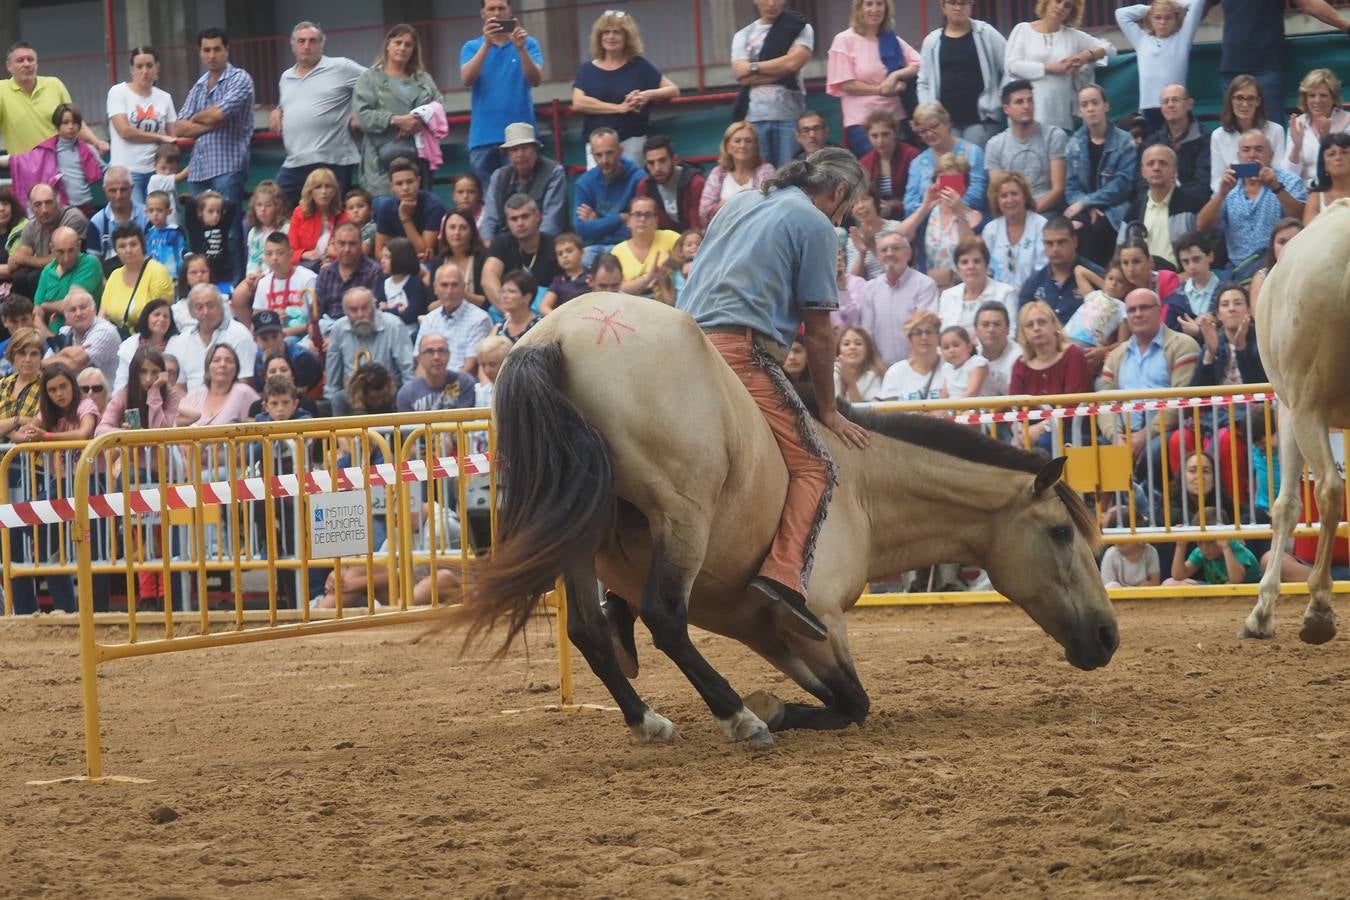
(740,167)
(617,85)
(314,218)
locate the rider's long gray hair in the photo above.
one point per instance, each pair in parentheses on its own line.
(822,172)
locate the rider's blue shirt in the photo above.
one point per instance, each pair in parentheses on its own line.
(764,261)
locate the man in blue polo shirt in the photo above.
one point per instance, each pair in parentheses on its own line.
(410,213)
(499,68)
(1055,283)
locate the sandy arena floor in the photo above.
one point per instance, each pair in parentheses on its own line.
(363,766)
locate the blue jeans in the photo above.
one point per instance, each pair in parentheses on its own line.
(1272,88)
(230,186)
(291,180)
(139,182)
(777,141)
(484,161)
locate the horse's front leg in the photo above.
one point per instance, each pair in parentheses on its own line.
(589,631)
(665,611)
(825,670)
(1260,621)
(1319,621)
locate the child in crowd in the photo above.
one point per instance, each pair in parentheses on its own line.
(467,192)
(164,241)
(1214,562)
(146,401)
(281,403)
(491,353)
(314,218)
(1100,321)
(17,312)
(946,222)
(850,292)
(1265,464)
(963,369)
(401,290)
(196,270)
(1161,33)
(1196,255)
(266,213)
(574,281)
(210,228)
(675,270)
(286,289)
(78,167)
(166,175)
(1131,565)
(360,208)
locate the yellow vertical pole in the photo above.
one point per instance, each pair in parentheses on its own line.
(93,757)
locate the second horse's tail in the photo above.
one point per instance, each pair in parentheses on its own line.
(558,495)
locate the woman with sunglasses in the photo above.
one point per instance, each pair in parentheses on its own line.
(95,386)
(1244,109)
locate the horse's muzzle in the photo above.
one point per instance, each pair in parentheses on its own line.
(1093,646)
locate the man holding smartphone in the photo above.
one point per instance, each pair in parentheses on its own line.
(1247,215)
(499,68)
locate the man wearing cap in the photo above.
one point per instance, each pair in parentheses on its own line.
(270,338)
(499,69)
(528,172)
(410,212)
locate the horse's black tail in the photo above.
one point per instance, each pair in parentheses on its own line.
(558,495)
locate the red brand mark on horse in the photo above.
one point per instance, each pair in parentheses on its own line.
(609,323)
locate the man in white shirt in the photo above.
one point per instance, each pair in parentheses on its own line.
(461,323)
(991,330)
(190,347)
(890,298)
(286,289)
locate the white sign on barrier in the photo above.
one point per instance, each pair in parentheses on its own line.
(337,525)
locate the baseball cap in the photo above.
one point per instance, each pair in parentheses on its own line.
(265,320)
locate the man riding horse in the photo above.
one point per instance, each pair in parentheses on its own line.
(766,268)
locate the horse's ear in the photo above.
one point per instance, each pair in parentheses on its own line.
(1049,474)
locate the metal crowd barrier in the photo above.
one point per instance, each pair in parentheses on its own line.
(385,514)
(1203,451)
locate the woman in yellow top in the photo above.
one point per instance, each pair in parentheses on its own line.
(136,282)
(645,250)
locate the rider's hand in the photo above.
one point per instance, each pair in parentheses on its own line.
(849,432)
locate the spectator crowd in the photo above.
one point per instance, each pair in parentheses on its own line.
(1023,234)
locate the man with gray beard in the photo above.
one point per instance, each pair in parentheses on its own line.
(363,327)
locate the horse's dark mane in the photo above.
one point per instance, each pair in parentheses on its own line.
(963,442)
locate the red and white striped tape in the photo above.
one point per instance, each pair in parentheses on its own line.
(1096,409)
(152,500)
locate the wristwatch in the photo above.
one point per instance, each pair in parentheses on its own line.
(754,68)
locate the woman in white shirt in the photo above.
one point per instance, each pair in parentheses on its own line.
(1320,115)
(918,377)
(1244,108)
(959,304)
(139,115)
(1056,58)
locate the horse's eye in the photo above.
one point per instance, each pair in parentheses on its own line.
(1061,534)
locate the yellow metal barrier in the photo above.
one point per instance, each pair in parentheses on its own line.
(247,533)
(37,472)
(1213,423)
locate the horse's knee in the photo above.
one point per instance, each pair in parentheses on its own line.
(848,698)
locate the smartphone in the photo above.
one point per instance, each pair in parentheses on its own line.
(954,180)
(1246,170)
(506,25)
(132,418)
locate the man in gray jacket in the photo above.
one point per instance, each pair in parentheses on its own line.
(962,68)
(381,334)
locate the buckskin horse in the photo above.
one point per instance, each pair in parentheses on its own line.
(631,452)
(1303,320)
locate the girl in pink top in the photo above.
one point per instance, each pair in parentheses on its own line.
(867,70)
(63,413)
(146,401)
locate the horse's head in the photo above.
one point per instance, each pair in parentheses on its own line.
(1041,558)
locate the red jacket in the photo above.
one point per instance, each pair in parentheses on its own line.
(305,231)
(688,191)
(892,207)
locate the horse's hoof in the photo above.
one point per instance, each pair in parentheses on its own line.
(747,728)
(1318,629)
(1247,633)
(655,729)
(767,707)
